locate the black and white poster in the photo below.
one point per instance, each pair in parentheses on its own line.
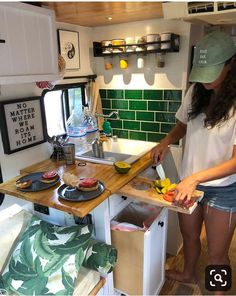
(22,124)
(69,48)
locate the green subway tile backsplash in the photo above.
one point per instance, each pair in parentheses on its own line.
(103,93)
(115,94)
(106,104)
(165,117)
(153,94)
(131,125)
(146,115)
(116,123)
(166,127)
(121,133)
(127,115)
(174,106)
(150,126)
(137,136)
(175,95)
(119,104)
(157,106)
(133,94)
(137,105)
(157,137)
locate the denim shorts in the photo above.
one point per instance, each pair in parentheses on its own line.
(221,198)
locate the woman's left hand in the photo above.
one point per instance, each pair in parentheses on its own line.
(184,190)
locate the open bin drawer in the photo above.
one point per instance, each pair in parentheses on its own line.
(140,268)
(142,189)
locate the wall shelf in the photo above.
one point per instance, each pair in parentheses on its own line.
(174,47)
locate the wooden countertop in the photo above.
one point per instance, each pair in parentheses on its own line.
(105,173)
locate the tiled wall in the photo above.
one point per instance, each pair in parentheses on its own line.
(144,114)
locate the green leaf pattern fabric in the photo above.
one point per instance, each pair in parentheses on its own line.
(46,259)
(100,257)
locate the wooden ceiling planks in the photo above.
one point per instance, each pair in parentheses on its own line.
(93,14)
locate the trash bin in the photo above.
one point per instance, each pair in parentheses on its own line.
(139,235)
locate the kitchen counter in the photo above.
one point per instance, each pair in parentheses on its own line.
(105,173)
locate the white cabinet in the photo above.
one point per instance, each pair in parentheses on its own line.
(28,46)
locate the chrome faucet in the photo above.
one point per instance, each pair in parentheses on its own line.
(109,115)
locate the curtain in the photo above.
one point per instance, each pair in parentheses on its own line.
(94,101)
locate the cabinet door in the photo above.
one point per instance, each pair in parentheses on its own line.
(155,255)
(29,52)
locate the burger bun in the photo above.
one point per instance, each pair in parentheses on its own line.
(23,184)
(88,184)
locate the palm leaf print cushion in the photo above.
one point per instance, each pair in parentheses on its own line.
(46,259)
(100,257)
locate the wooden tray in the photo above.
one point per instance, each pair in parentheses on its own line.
(142,189)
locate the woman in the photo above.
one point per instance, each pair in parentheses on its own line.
(207,118)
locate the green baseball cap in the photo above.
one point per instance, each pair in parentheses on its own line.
(210,55)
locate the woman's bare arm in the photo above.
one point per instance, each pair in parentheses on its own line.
(177,133)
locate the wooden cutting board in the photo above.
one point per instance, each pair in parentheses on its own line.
(142,189)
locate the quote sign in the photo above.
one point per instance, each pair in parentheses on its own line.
(23,122)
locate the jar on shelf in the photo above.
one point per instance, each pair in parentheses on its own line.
(167,38)
(130,41)
(160,59)
(123,63)
(106,49)
(118,43)
(140,62)
(153,38)
(108,63)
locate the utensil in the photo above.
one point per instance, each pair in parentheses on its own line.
(160,171)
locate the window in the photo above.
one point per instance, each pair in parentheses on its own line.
(59,103)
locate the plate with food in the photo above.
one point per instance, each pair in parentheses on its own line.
(80,189)
(38,181)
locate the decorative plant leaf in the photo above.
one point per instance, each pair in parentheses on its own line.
(41,246)
(48,230)
(38,267)
(67,281)
(30,232)
(79,258)
(20,271)
(56,263)
(26,256)
(34,286)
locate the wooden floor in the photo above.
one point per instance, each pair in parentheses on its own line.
(176,262)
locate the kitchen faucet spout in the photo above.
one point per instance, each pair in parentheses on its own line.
(109,115)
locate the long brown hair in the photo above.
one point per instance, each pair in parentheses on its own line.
(220,106)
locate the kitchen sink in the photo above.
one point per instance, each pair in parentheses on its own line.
(118,150)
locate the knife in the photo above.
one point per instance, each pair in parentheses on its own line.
(160,171)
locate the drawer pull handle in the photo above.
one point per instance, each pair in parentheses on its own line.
(161,223)
(2,41)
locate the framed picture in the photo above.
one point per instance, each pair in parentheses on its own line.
(69,48)
(22,123)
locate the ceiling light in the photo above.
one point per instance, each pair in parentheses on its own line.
(109,18)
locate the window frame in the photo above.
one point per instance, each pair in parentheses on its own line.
(65,100)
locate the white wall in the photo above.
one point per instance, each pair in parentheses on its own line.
(172,76)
